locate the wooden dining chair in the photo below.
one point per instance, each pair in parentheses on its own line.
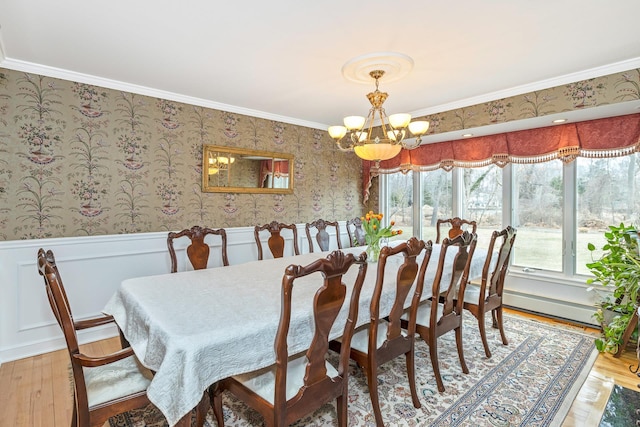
(442,311)
(322,236)
(275,241)
(103,386)
(487,297)
(198,251)
(456,227)
(383,339)
(298,385)
(356,238)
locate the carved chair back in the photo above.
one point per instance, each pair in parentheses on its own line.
(322,236)
(275,241)
(456,227)
(356,238)
(197,251)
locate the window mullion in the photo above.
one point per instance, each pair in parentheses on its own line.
(569,218)
(417,204)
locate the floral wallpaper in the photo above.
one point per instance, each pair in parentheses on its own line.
(611,89)
(80,160)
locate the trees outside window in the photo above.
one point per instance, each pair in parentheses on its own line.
(606,195)
(437,200)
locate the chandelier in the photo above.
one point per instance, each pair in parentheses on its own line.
(384,141)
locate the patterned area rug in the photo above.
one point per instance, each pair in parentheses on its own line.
(623,408)
(530,382)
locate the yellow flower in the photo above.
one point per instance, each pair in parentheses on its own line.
(373,229)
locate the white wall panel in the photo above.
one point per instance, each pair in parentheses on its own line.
(92,268)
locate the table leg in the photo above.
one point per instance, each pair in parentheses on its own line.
(184,421)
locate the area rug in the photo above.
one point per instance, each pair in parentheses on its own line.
(623,408)
(530,382)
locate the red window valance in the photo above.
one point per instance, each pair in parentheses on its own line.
(610,137)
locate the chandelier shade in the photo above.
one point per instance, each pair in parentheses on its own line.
(380,151)
(381,142)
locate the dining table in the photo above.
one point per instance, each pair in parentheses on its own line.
(197,327)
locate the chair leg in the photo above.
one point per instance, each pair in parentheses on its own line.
(461,350)
(215,397)
(483,334)
(74,417)
(433,352)
(372,379)
(412,378)
(201,410)
(500,322)
(341,406)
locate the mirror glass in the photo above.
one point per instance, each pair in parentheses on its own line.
(240,170)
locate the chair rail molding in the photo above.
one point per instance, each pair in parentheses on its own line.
(92,268)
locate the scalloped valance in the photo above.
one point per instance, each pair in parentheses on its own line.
(610,137)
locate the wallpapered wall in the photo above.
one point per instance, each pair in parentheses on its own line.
(611,89)
(79,160)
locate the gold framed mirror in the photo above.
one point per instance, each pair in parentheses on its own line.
(241,170)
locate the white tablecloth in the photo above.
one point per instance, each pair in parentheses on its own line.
(195,328)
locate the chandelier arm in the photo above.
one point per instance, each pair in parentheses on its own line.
(348,148)
(383,122)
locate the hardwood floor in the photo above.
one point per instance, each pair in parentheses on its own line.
(35,392)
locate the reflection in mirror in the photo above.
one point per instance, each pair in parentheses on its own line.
(237,170)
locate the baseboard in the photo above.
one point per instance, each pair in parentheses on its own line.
(561,310)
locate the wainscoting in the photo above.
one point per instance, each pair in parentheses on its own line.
(93,267)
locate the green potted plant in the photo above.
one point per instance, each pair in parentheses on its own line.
(617,271)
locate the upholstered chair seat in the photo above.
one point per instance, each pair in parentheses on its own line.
(116,380)
(263,382)
(360,340)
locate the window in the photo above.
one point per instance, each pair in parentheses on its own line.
(400,203)
(483,200)
(538,215)
(437,200)
(606,194)
(557,208)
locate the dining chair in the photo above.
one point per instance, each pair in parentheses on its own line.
(487,297)
(275,241)
(441,312)
(383,339)
(299,384)
(322,236)
(103,386)
(357,237)
(456,226)
(198,251)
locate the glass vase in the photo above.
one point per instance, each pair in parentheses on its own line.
(373,251)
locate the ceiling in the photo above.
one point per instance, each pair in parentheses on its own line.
(283,59)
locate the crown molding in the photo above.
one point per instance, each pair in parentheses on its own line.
(605,70)
(58,73)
